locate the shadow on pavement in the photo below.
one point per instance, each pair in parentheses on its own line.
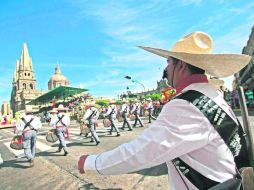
(154,171)
(15,164)
(90,186)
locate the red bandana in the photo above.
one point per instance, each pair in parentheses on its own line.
(196,78)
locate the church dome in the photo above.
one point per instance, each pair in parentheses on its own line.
(57,79)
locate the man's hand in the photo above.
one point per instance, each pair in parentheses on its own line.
(81,162)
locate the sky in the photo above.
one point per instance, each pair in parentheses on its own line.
(95,41)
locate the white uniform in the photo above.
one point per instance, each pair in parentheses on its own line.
(91,116)
(181,130)
(29,134)
(61,128)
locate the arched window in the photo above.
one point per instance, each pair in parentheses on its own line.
(31,86)
(25,74)
(29,74)
(24,85)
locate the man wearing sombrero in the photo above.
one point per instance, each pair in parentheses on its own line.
(184,135)
(28,126)
(61,123)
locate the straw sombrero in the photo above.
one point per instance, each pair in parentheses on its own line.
(149,99)
(61,108)
(90,103)
(54,110)
(29,110)
(112,101)
(196,49)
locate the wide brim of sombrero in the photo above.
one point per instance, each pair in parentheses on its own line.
(218,65)
(216,82)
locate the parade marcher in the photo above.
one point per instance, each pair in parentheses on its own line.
(182,134)
(28,126)
(111,114)
(52,114)
(125,111)
(61,124)
(136,111)
(150,110)
(91,117)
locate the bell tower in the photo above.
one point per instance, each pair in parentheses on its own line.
(24,83)
(26,79)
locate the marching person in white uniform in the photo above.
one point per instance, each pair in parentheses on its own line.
(136,111)
(28,125)
(150,110)
(124,112)
(91,117)
(111,114)
(181,130)
(61,123)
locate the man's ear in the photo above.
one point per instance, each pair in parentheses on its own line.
(183,65)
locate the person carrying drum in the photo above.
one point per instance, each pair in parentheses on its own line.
(111,114)
(125,111)
(91,117)
(136,111)
(28,125)
(61,124)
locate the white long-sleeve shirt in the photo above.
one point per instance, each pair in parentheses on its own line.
(35,124)
(136,107)
(110,109)
(180,130)
(65,120)
(89,112)
(125,108)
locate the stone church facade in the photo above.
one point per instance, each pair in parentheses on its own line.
(246,75)
(24,82)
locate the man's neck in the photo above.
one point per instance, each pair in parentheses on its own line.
(191,79)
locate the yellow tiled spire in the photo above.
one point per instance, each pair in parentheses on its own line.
(25,60)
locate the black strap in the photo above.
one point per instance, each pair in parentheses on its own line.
(93,113)
(113,111)
(231,132)
(60,120)
(27,124)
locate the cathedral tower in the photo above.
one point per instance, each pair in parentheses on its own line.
(24,83)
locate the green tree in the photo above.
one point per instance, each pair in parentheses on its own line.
(102,102)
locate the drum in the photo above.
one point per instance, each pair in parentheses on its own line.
(132,117)
(106,122)
(84,129)
(17,142)
(51,136)
(120,119)
(146,113)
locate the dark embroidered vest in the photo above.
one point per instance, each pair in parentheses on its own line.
(231,132)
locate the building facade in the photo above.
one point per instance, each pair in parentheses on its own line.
(24,82)
(57,79)
(6,108)
(246,75)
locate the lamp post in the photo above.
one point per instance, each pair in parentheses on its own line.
(135,81)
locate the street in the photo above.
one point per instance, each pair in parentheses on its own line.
(52,170)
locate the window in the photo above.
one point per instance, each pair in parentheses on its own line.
(24,85)
(31,86)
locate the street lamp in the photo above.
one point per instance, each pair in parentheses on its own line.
(135,81)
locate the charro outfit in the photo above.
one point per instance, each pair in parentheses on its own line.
(125,111)
(28,125)
(91,116)
(61,123)
(150,111)
(111,114)
(185,133)
(136,111)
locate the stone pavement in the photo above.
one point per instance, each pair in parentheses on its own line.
(57,172)
(54,171)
